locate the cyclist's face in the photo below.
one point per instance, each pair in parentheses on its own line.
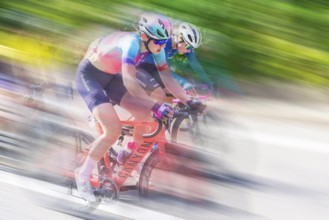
(156,46)
(182,46)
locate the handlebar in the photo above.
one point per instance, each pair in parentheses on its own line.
(177,114)
(203,93)
(156,131)
(166,122)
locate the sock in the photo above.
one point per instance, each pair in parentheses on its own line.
(87,167)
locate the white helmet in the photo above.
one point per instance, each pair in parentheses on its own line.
(155,26)
(190,34)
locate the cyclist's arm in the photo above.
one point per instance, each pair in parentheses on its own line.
(182,82)
(130,82)
(197,68)
(167,78)
(129,54)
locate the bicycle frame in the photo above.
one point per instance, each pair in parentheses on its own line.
(136,156)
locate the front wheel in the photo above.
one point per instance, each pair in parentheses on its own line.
(223,137)
(205,133)
(152,181)
(147,178)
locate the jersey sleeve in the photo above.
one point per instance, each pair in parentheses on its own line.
(160,61)
(182,81)
(197,68)
(130,49)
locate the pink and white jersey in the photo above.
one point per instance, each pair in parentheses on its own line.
(109,53)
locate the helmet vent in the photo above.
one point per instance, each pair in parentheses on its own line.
(148,30)
(190,37)
(161,23)
(159,33)
(195,34)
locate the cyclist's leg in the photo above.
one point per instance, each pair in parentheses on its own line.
(140,108)
(109,121)
(90,84)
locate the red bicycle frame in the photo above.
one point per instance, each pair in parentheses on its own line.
(136,156)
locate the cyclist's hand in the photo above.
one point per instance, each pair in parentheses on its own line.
(191,91)
(196,105)
(162,111)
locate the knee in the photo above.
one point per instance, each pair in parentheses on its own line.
(111,132)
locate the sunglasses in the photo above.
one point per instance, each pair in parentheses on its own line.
(159,42)
(187,47)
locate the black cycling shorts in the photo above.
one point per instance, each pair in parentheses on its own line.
(97,87)
(148,77)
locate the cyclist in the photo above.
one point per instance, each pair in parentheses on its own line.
(107,76)
(185,40)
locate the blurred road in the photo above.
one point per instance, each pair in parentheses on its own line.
(280,160)
(293,151)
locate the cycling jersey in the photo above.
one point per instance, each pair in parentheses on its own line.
(98,78)
(170,53)
(109,53)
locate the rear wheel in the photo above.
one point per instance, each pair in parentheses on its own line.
(73,201)
(55,153)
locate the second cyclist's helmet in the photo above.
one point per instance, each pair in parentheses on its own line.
(190,34)
(155,26)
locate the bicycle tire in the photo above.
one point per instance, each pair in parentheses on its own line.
(47,160)
(144,180)
(199,137)
(169,177)
(77,204)
(207,136)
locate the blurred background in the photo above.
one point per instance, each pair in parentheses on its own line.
(252,40)
(269,60)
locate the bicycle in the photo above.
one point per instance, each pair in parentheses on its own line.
(156,156)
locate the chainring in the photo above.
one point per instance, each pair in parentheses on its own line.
(108,191)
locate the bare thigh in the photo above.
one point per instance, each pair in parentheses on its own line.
(110,126)
(107,117)
(140,108)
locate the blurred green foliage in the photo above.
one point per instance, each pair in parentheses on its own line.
(253,39)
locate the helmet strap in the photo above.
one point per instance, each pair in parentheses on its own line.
(175,40)
(146,44)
